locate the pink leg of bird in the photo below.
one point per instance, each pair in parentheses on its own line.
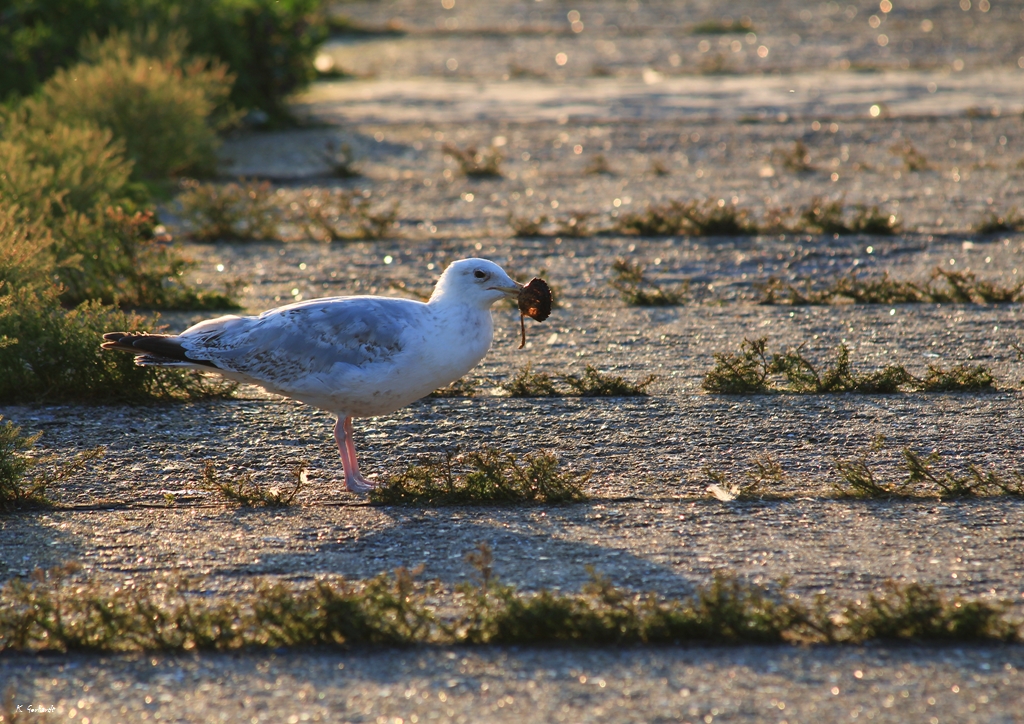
(343,434)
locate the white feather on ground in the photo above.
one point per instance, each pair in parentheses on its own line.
(352,356)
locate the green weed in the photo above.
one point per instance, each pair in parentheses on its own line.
(869,220)
(658,168)
(746,373)
(857,479)
(752,372)
(63,610)
(913,160)
(598,166)
(527,383)
(243,490)
(341,215)
(721,27)
(916,612)
(593,383)
(943,287)
(693,218)
(574,226)
(482,478)
(18,488)
(994,222)
(959,378)
(340,160)
(923,479)
(475,163)
(241,211)
(527,226)
(797,158)
(822,216)
(637,291)
(459,388)
(756,484)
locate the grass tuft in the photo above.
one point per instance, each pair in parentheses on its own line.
(944,287)
(475,163)
(753,372)
(797,159)
(593,383)
(340,160)
(527,226)
(638,291)
(913,160)
(756,483)
(243,490)
(598,166)
(527,383)
(693,218)
(487,477)
(459,388)
(19,489)
(857,479)
(240,211)
(822,216)
(721,27)
(323,215)
(994,222)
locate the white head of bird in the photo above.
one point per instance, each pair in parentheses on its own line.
(474,281)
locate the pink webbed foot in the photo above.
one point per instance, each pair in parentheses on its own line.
(343,435)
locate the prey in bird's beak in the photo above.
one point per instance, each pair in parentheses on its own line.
(534,301)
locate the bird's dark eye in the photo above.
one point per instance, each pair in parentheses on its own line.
(479,274)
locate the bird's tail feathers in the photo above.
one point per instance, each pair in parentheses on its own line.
(153,350)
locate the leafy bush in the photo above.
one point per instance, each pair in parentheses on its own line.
(161,107)
(52,168)
(268,44)
(49,353)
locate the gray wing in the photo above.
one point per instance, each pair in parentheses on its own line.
(308,338)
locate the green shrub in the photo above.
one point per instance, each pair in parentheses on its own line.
(70,214)
(25,254)
(51,168)
(268,44)
(161,108)
(52,354)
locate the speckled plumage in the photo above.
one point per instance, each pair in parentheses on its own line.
(352,356)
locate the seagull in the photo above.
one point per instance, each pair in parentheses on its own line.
(360,356)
